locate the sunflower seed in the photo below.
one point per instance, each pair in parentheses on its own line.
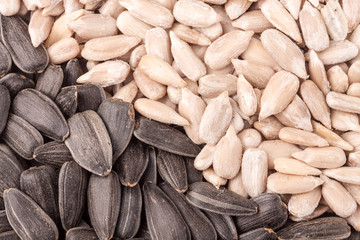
(150,88)
(157,43)
(295,167)
(131,25)
(72,72)
(205,196)
(81,233)
(49,82)
(320,210)
(30,222)
(213,85)
(56,8)
(303,204)
(9,8)
(67,100)
(318,73)
(326,157)
(89,97)
(246,96)
(165,138)
(30,104)
(4,223)
(252,21)
(132,163)
(150,174)
(163,218)
(190,35)
(210,176)
(352,138)
(345,121)
(235,9)
(354,159)
(223,224)
(205,158)
(15,36)
(39,27)
(301,137)
(258,234)
(338,79)
(104,211)
(130,215)
(269,127)
(343,102)
(6,61)
(338,52)
(72,194)
(344,174)
(16,82)
(63,50)
(335,20)
(4,106)
(236,185)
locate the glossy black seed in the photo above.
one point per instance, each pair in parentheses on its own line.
(150,174)
(193,175)
(16,82)
(49,82)
(53,153)
(90,96)
(224,225)
(72,72)
(67,100)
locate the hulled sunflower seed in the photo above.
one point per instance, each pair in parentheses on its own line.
(6,61)
(246,96)
(163,218)
(252,21)
(81,233)
(150,88)
(258,234)
(318,73)
(130,215)
(338,52)
(49,82)
(345,121)
(73,182)
(326,157)
(165,138)
(210,176)
(301,137)
(335,20)
(338,79)
(354,159)
(9,8)
(190,35)
(212,85)
(269,127)
(223,224)
(205,196)
(205,158)
(303,204)
(132,26)
(67,100)
(235,9)
(15,36)
(157,43)
(236,185)
(89,97)
(343,102)
(30,104)
(39,27)
(295,167)
(320,210)
(30,222)
(127,93)
(344,174)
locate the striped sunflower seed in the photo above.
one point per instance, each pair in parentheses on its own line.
(67,100)
(223,224)
(72,72)
(81,233)
(15,82)
(49,82)
(151,173)
(4,223)
(89,97)
(193,175)
(4,106)
(6,61)
(258,234)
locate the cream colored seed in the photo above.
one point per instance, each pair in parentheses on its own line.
(269,127)
(354,159)
(229,69)
(252,21)
(212,32)
(301,137)
(150,88)
(176,67)
(338,79)
(354,90)
(63,50)
(213,85)
(90,64)
(236,185)
(190,35)
(354,190)
(111,8)
(355,38)
(338,52)
(351,11)
(9,8)
(335,20)
(303,204)
(56,8)
(237,122)
(293,6)
(295,167)
(226,21)
(157,43)
(354,219)
(318,73)
(235,8)
(354,72)
(250,138)
(72,5)
(320,210)
(205,158)
(127,93)
(343,102)
(39,27)
(246,96)
(344,174)
(345,121)
(131,26)
(136,55)
(210,176)
(353,138)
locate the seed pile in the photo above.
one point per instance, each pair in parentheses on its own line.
(113,112)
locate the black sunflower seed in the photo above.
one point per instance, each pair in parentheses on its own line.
(193,175)
(16,82)
(150,174)
(81,233)
(259,234)
(5,60)
(4,106)
(90,96)
(49,82)
(4,223)
(9,235)
(67,100)
(53,153)
(224,225)
(72,72)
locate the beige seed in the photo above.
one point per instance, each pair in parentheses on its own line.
(344,174)
(90,64)
(227,155)
(23,10)
(354,90)
(293,6)
(269,127)
(236,109)
(277,149)
(105,48)
(175,93)
(157,43)
(335,20)
(354,190)
(254,171)
(326,157)
(279,92)
(354,219)
(355,38)
(354,159)
(235,8)
(136,55)
(353,138)
(60,29)
(258,94)
(338,52)
(160,71)
(252,21)
(56,8)
(216,119)
(316,103)
(229,69)
(256,73)
(272,10)
(294,167)
(351,11)
(303,204)
(246,96)
(354,72)
(127,93)
(292,184)
(205,158)
(190,35)
(39,27)
(149,11)
(159,112)
(236,185)
(296,115)
(330,136)
(192,108)
(111,8)
(106,74)
(338,198)
(301,137)
(226,21)
(63,50)
(195,13)
(237,122)
(250,138)
(338,79)
(230,45)
(131,26)
(187,60)
(318,73)
(72,5)
(151,89)
(176,67)
(285,52)
(320,210)
(343,102)
(213,85)
(345,121)
(29,5)
(212,32)
(210,176)
(9,8)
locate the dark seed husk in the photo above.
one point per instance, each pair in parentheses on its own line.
(5,60)
(130,215)
(355,235)
(163,218)
(16,38)
(41,112)
(150,174)
(73,182)
(259,234)
(89,143)
(224,225)
(90,96)
(333,228)
(49,82)
(272,214)
(132,163)
(72,72)
(199,225)
(39,183)
(53,153)
(172,169)
(9,235)
(165,138)
(119,119)
(16,82)
(10,170)
(27,218)
(4,106)
(4,223)
(205,196)
(193,175)
(104,210)
(21,136)
(81,233)
(67,100)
